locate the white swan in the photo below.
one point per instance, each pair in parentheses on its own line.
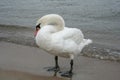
(59,40)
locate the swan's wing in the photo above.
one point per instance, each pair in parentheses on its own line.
(67,40)
(72,34)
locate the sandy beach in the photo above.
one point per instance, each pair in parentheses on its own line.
(28,63)
(17,75)
(99,20)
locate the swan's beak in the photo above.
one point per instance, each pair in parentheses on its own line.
(36,31)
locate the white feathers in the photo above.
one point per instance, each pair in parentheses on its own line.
(59,40)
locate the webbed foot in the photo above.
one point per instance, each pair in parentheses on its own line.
(55,69)
(67,74)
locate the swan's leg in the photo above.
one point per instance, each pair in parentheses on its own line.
(69,73)
(56,62)
(71,68)
(56,68)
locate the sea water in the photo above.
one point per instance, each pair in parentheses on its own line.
(90,14)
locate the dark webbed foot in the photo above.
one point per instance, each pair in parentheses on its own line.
(56,68)
(67,74)
(53,69)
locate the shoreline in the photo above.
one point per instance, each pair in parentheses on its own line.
(24,36)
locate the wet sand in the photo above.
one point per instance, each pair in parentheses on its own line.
(17,75)
(28,63)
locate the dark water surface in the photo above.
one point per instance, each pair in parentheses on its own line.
(86,14)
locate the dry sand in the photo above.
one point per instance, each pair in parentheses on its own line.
(18,62)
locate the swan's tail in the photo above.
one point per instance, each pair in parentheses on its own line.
(84,43)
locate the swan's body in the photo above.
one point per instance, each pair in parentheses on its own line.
(59,40)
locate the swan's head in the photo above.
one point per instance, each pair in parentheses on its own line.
(51,19)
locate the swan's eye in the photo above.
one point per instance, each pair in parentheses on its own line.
(38,26)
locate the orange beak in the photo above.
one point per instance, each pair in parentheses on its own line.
(36,31)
